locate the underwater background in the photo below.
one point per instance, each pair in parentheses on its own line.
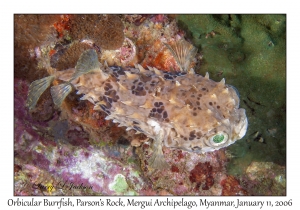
(55,149)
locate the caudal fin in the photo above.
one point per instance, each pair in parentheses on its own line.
(183,52)
(60,92)
(36,89)
(87,62)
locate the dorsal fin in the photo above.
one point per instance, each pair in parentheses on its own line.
(183,52)
(87,62)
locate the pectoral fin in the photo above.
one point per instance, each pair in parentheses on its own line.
(157,160)
(60,92)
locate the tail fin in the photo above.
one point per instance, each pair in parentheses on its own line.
(87,62)
(60,92)
(183,52)
(36,89)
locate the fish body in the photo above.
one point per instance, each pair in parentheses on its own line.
(176,109)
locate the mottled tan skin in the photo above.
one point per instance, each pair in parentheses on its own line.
(180,110)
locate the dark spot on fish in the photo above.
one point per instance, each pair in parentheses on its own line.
(144,78)
(116,98)
(159,110)
(168,77)
(198,103)
(203,89)
(165,114)
(141,93)
(156,104)
(121,72)
(194,114)
(210,103)
(218,107)
(109,85)
(134,122)
(199,134)
(192,135)
(157,116)
(139,88)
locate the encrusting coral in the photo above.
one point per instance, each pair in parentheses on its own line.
(106,31)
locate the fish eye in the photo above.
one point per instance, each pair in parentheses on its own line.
(218,139)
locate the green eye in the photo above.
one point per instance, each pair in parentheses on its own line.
(218,138)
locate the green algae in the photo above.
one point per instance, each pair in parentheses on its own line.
(120,186)
(249,51)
